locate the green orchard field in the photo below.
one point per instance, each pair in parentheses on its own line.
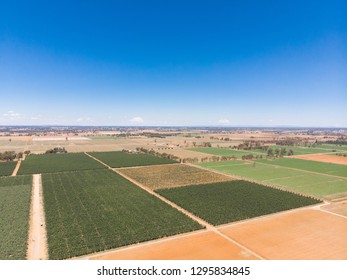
(90,211)
(296,180)
(227,152)
(309,165)
(50,163)
(221,203)
(6,168)
(15,194)
(123,159)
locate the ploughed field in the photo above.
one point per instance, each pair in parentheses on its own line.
(123,159)
(90,211)
(221,203)
(50,163)
(172,175)
(15,193)
(304,234)
(6,168)
(307,182)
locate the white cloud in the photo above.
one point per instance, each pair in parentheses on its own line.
(224,121)
(84,119)
(136,120)
(12,115)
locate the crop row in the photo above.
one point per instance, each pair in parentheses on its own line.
(124,159)
(47,163)
(225,202)
(6,168)
(90,211)
(15,193)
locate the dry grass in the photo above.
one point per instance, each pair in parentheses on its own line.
(172,175)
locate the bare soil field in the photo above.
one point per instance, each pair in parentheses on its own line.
(183,153)
(172,175)
(338,208)
(200,246)
(324,158)
(302,234)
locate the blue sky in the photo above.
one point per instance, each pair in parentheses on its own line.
(176,62)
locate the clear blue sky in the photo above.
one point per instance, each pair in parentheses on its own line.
(173,62)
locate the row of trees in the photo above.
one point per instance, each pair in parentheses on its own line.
(279,152)
(204,145)
(12,155)
(154,153)
(57,150)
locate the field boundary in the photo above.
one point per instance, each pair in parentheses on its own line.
(141,244)
(278,187)
(147,166)
(109,167)
(192,216)
(15,171)
(187,213)
(313,172)
(37,243)
(309,207)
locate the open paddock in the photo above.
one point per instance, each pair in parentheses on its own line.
(301,181)
(297,235)
(337,207)
(197,246)
(228,152)
(338,170)
(302,150)
(325,158)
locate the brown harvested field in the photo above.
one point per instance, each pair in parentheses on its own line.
(324,158)
(172,175)
(182,153)
(296,235)
(199,246)
(338,208)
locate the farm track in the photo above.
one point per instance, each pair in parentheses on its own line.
(14,173)
(37,243)
(190,215)
(109,167)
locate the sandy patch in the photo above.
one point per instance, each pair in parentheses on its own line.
(15,171)
(338,208)
(200,246)
(37,243)
(305,234)
(324,158)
